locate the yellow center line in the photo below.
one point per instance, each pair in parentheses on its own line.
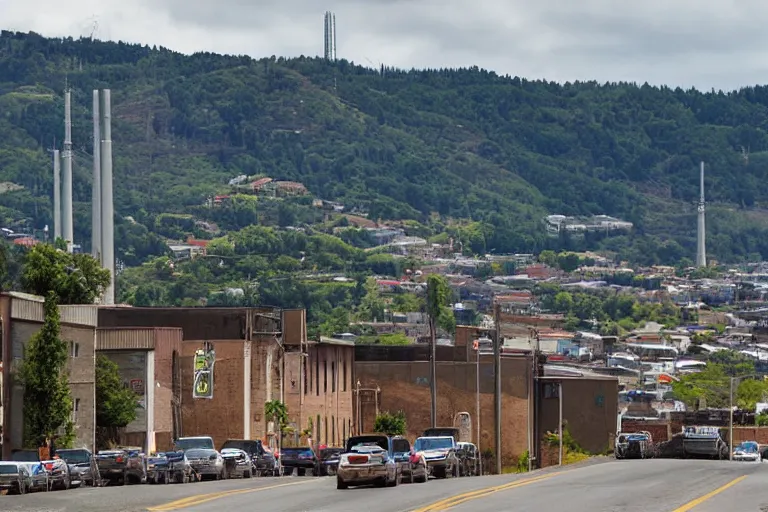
(698,501)
(199,499)
(458,499)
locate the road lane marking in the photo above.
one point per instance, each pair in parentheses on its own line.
(458,499)
(199,499)
(698,501)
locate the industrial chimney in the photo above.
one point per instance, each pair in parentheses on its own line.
(107,206)
(67,231)
(701,243)
(56,195)
(96,250)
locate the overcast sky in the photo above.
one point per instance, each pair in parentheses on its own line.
(710,43)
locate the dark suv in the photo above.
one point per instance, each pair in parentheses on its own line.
(264,463)
(299,458)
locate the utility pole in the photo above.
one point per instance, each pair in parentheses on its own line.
(560,424)
(497,377)
(433,370)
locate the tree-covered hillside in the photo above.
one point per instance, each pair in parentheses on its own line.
(435,146)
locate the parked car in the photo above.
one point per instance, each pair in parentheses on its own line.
(14,477)
(122,465)
(188,443)
(166,467)
(329,461)
(57,469)
(634,445)
(206,462)
(40,480)
(440,454)
(237,463)
(413,466)
(263,460)
(748,451)
(368,459)
(469,460)
(300,459)
(82,466)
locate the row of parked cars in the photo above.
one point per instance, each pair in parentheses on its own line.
(192,459)
(384,460)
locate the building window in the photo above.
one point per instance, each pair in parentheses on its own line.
(318,430)
(551,390)
(317,377)
(75,408)
(326,430)
(333,377)
(74,349)
(325,376)
(306,377)
(344,377)
(333,430)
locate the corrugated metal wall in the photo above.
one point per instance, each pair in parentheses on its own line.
(80,314)
(125,339)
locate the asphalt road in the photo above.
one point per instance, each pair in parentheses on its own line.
(602,485)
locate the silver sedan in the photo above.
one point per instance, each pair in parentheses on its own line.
(206,462)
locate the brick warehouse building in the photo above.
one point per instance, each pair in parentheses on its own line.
(397,378)
(21,315)
(144,356)
(250,344)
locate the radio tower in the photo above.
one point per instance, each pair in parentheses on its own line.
(701,244)
(330,36)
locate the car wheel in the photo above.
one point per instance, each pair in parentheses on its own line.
(341,484)
(247,474)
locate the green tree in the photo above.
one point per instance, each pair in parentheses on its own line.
(390,424)
(372,305)
(74,278)
(43,373)
(278,413)
(335,323)
(115,403)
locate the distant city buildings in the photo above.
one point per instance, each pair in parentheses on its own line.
(561,223)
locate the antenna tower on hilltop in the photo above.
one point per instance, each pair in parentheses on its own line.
(701,243)
(330,36)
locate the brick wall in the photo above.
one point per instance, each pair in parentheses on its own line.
(589,411)
(660,431)
(405,386)
(222,416)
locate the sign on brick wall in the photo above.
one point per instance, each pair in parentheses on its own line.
(203,381)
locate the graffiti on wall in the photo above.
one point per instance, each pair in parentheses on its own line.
(203,381)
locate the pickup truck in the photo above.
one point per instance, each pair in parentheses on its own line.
(264,462)
(122,465)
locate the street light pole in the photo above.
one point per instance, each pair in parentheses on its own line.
(730,421)
(560,424)
(477,407)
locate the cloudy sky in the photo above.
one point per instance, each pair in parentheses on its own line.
(710,43)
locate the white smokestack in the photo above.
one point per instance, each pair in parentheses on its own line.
(67,228)
(107,207)
(96,250)
(56,195)
(701,239)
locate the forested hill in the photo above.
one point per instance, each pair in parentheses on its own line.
(424,145)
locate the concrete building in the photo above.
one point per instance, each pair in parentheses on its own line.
(22,317)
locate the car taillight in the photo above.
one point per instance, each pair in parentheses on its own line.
(357,459)
(118,459)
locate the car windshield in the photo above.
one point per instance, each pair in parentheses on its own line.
(748,447)
(73,456)
(199,454)
(401,446)
(433,443)
(8,469)
(25,456)
(297,452)
(188,443)
(245,445)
